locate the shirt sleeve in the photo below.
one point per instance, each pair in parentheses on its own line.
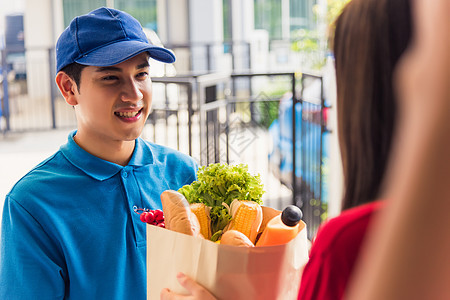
(322,279)
(29,261)
(334,254)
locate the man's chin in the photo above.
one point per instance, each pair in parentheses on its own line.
(132,135)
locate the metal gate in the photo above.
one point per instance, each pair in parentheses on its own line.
(221,119)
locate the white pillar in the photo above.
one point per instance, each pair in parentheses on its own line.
(192,23)
(242,31)
(243,22)
(173,29)
(206,27)
(285,19)
(39,32)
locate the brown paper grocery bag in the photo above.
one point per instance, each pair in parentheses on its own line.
(228,272)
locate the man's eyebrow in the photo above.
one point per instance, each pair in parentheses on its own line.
(110,68)
(143,65)
(116,69)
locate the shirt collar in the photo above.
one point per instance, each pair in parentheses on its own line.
(101,169)
(142,154)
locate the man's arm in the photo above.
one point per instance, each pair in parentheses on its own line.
(30,266)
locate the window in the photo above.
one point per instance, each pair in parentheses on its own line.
(301,14)
(73,8)
(268,16)
(143,10)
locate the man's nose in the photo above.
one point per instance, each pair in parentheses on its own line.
(131,91)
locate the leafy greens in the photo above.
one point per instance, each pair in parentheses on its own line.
(222,183)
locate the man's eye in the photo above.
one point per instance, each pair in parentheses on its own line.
(142,74)
(110,77)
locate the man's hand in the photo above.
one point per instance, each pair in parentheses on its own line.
(197,292)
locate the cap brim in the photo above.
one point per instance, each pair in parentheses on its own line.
(118,52)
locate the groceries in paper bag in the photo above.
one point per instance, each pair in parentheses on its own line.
(217,232)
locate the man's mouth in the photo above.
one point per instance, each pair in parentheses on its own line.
(128,114)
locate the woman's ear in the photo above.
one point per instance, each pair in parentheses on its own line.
(67,87)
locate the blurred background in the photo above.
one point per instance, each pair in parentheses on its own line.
(253,83)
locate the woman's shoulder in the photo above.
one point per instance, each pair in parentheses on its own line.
(347,229)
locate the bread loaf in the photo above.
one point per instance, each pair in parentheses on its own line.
(235,238)
(178,215)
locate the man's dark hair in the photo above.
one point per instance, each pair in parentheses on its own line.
(74,71)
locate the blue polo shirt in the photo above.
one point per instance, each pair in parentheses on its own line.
(69,229)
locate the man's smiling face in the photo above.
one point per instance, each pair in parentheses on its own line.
(114,102)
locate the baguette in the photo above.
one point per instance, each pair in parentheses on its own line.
(178,215)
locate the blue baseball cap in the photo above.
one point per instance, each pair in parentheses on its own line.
(105,37)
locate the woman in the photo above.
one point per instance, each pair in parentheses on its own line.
(410,243)
(370,37)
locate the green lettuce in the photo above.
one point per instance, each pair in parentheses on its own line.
(222,183)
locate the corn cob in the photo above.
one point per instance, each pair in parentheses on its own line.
(202,213)
(247,218)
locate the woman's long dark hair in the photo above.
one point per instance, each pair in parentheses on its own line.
(369,39)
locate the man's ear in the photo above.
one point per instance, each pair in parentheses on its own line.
(67,87)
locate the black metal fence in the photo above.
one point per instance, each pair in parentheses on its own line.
(221,118)
(29,97)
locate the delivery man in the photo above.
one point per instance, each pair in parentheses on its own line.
(69,228)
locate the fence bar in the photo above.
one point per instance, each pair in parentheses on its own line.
(294,144)
(208,57)
(190,113)
(5,102)
(322,131)
(51,64)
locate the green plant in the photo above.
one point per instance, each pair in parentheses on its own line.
(269,101)
(334,9)
(310,43)
(313,44)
